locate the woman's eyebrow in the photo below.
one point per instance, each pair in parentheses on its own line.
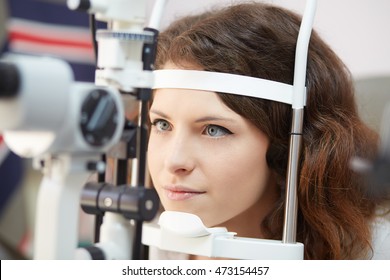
(157,112)
(200,120)
(214,118)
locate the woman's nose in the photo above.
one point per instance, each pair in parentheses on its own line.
(180,157)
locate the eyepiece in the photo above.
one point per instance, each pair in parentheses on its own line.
(9,80)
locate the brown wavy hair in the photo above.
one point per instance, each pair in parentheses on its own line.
(259,40)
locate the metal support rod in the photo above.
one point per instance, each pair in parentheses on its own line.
(142,135)
(299,100)
(291,207)
(148,57)
(121,172)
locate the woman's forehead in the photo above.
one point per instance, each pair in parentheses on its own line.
(189,102)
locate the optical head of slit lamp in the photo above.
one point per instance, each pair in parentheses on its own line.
(43,110)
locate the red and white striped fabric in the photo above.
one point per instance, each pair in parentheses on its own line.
(67,42)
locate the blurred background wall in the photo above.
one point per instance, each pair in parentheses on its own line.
(358,30)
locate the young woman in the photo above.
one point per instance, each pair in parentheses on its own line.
(224,157)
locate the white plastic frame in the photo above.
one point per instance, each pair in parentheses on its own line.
(224,83)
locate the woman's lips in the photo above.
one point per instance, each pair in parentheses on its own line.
(179,193)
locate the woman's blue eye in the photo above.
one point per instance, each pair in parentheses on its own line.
(216,131)
(161,125)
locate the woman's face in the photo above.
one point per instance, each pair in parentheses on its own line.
(204,158)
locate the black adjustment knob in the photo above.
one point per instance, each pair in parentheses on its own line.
(9,80)
(99,118)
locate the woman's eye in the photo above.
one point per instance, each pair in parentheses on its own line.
(161,125)
(216,131)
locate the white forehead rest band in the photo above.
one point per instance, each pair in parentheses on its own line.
(224,83)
